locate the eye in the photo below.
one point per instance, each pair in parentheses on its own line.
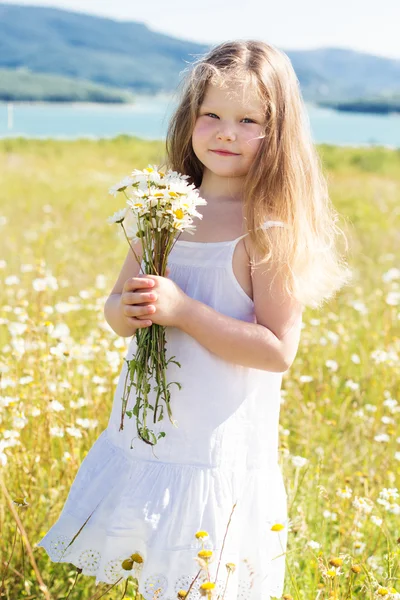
(212,115)
(248,120)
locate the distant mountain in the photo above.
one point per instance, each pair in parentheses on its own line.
(129,56)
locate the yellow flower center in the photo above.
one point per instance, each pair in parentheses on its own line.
(127,564)
(179,213)
(277,527)
(137,558)
(331,573)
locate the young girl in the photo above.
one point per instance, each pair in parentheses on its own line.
(232,303)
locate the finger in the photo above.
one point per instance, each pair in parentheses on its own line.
(140,323)
(138,310)
(138,297)
(138,283)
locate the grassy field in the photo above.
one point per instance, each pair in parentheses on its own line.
(339,437)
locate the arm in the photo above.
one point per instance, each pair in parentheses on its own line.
(115,317)
(129,290)
(247,344)
(270,344)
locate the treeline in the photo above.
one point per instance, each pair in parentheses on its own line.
(382,106)
(23,86)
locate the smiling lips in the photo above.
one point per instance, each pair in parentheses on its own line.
(224,152)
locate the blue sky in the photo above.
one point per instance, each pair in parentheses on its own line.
(365,25)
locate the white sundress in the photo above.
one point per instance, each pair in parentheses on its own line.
(223,451)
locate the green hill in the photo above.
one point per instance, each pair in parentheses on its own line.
(21,85)
(129,56)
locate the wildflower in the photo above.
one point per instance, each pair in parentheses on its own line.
(382,591)
(231,567)
(118,216)
(359,547)
(331,573)
(127,564)
(299,461)
(21,502)
(313,545)
(356,568)
(344,493)
(182,594)
(363,504)
(201,534)
(208,585)
(137,558)
(336,562)
(206,554)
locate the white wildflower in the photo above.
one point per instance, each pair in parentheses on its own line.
(299,461)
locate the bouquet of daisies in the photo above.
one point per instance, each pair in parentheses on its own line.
(159,207)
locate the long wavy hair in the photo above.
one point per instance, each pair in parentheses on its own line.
(285,181)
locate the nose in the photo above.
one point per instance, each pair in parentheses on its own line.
(226,132)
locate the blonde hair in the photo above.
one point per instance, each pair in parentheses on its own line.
(285,181)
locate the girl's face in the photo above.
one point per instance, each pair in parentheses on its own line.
(229,129)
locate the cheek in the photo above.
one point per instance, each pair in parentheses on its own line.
(253,140)
(201,132)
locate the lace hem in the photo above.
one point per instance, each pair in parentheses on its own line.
(155,585)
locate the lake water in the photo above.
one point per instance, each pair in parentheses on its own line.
(148,118)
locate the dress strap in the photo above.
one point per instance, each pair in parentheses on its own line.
(265,225)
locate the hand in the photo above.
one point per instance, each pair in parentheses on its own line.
(135,301)
(170,303)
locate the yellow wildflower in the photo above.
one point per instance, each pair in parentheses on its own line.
(336,562)
(277,527)
(201,534)
(331,573)
(383,591)
(208,585)
(231,567)
(205,554)
(182,594)
(356,568)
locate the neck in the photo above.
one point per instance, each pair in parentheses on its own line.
(214,188)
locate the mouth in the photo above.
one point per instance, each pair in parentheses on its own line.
(224,153)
